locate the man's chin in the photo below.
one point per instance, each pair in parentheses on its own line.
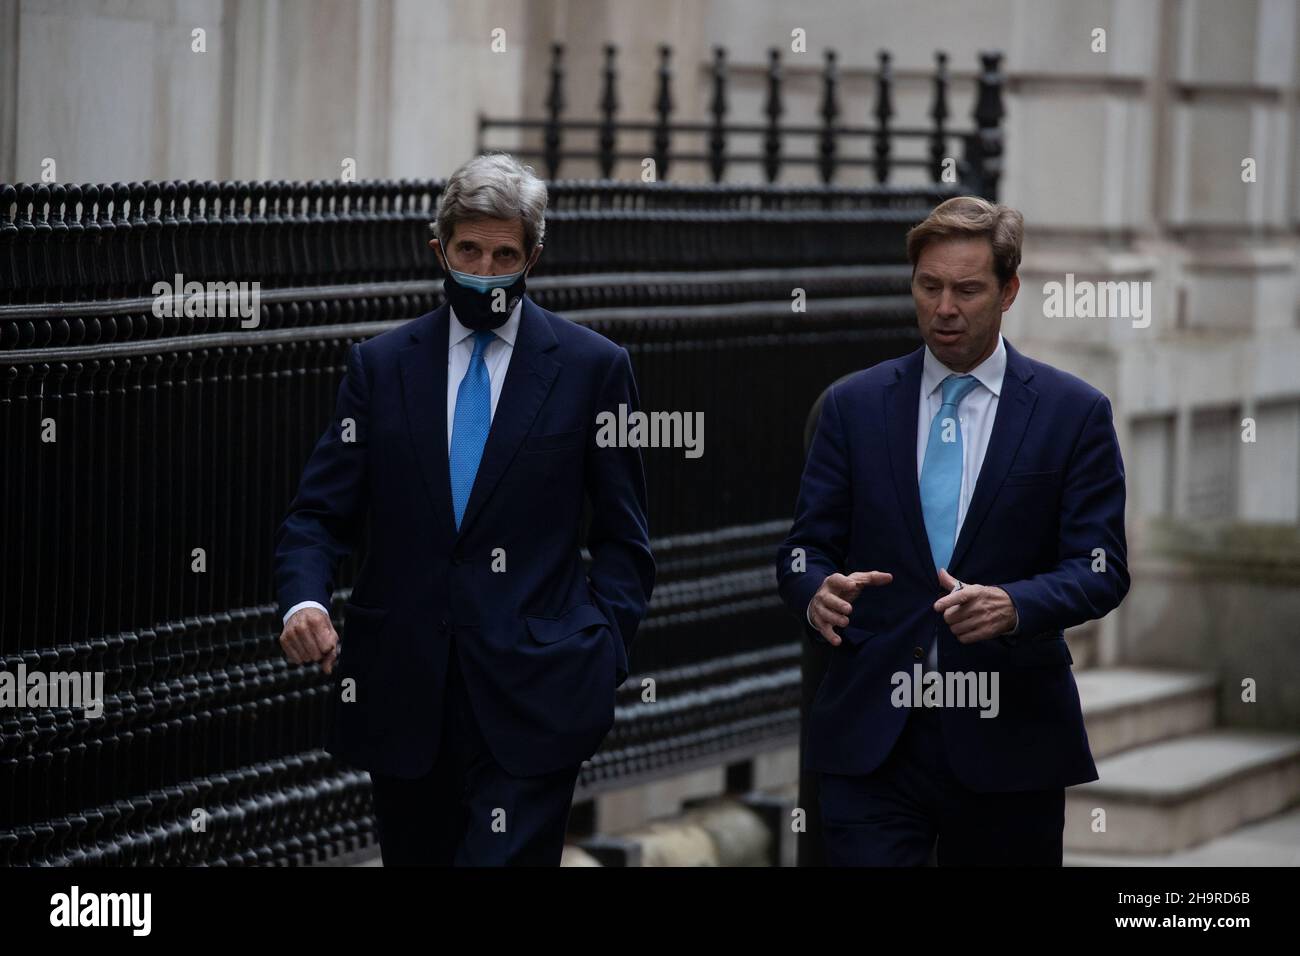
(954,354)
(961,353)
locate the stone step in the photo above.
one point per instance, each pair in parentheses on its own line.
(1271,842)
(728,831)
(1127,707)
(1176,794)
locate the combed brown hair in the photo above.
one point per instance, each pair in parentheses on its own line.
(965,217)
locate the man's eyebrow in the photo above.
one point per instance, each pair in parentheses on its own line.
(965,280)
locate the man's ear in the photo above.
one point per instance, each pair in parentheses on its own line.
(537,254)
(1009,292)
(436,246)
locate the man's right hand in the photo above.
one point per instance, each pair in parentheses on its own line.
(309,636)
(832,604)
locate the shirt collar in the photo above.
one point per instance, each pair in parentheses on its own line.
(457,333)
(989,373)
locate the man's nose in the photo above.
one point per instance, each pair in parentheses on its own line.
(947,303)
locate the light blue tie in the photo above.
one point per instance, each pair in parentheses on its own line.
(941,471)
(469,430)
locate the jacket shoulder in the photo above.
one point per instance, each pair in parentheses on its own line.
(388,342)
(870,380)
(572,335)
(1057,382)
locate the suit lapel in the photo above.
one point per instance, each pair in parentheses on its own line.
(1015,406)
(424,394)
(528,381)
(902,405)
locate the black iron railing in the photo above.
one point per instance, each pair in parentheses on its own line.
(977,162)
(135,443)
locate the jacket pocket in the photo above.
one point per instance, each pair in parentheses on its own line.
(1041,650)
(1033,478)
(856,635)
(549,630)
(360,641)
(554,442)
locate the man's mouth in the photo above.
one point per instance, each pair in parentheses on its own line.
(947,337)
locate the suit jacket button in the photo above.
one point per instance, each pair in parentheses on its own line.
(918,652)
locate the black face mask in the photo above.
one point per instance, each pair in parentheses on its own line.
(474,309)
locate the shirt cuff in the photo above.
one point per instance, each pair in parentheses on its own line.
(807,613)
(302,604)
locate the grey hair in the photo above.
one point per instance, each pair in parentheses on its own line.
(493,186)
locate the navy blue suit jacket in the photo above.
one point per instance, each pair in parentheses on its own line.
(543,644)
(1049,492)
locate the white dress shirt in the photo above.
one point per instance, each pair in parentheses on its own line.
(975,414)
(460,349)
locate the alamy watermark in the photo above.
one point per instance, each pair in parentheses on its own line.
(71,690)
(1098,300)
(651,430)
(946,689)
(213,300)
(76,909)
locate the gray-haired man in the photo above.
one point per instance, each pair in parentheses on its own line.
(480,660)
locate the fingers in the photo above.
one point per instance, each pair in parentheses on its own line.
(948,582)
(973,633)
(849,586)
(831,637)
(841,586)
(964,611)
(968,603)
(292,642)
(967,613)
(956,613)
(965,625)
(830,604)
(829,611)
(327,665)
(968,594)
(825,624)
(871,578)
(308,636)
(970,623)
(323,635)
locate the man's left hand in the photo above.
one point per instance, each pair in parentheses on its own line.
(977,612)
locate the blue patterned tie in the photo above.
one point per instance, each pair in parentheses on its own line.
(469,430)
(941,471)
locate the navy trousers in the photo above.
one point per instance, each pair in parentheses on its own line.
(467,810)
(912,809)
